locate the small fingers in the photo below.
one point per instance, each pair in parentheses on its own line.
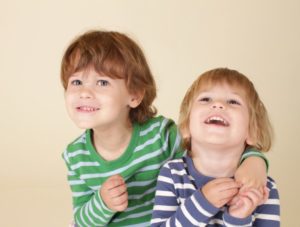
(254,195)
(228,186)
(266,193)
(120,199)
(234,200)
(117,191)
(120,202)
(115,180)
(222,180)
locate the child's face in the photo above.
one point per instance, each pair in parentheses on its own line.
(95,101)
(220,117)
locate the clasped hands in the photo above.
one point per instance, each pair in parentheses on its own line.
(241,199)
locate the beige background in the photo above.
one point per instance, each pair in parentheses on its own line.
(181,39)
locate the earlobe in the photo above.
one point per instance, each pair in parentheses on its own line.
(250,141)
(185,132)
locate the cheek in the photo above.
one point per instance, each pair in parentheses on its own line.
(243,123)
(69,102)
(196,119)
(192,119)
(197,114)
(68,99)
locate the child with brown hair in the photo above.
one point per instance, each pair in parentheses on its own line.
(221,114)
(113,166)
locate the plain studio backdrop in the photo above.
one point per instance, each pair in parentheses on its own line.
(181,39)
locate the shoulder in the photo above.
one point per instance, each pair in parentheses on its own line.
(77,145)
(159,120)
(269,212)
(159,124)
(175,164)
(173,171)
(272,186)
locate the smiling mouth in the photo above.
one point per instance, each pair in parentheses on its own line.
(87,109)
(217,121)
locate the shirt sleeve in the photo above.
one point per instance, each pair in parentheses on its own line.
(250,152)
(88,207)
(233,221)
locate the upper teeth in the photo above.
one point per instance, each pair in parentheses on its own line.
(217,119)
(86,108)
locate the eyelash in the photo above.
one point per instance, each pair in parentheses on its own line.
(234,102)
(205,99)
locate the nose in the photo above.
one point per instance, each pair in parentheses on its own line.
(218,105)
(86,92)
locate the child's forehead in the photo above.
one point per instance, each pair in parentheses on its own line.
(87,72)
(233,90)
(209,86)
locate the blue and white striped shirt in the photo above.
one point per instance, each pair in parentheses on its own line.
(179,202)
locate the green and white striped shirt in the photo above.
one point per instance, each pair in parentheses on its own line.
(152,144)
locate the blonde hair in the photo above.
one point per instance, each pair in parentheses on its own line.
(260,128)
(115,55)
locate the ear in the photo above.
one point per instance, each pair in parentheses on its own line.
(250,140)
(136,99)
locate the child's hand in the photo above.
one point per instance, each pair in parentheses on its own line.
(219,191)
(245,203)
(252,173)
(114,193)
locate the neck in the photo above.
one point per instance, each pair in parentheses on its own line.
(216,161)
(111,142)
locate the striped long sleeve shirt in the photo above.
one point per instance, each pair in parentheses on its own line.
(152,144)
(179,202)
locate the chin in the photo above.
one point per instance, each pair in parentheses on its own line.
(84,125)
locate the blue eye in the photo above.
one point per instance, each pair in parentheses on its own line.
(76,82)
(233,102)
(102,83)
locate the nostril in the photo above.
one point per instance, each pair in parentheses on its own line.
(218,106)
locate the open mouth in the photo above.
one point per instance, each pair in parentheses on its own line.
(217,121)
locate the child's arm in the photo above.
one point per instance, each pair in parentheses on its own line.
(88,206)
(253,169)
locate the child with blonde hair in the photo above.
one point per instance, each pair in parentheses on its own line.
(113,166)
(221,114)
